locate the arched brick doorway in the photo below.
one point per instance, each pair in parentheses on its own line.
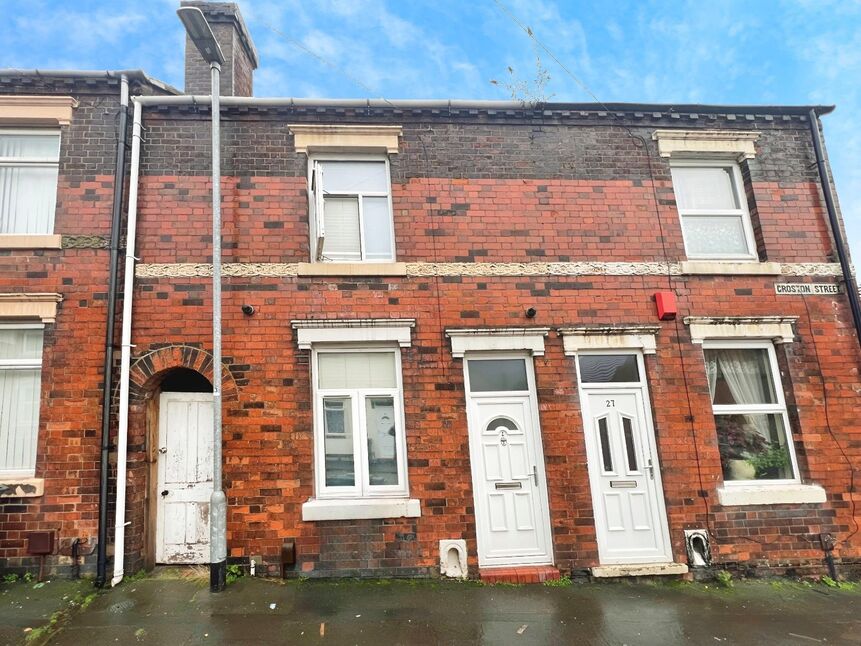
(176,371)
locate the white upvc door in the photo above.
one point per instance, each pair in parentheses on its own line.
(184,478)
(507,460)
(624,474)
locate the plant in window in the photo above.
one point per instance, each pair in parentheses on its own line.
(770,463)
(738,443)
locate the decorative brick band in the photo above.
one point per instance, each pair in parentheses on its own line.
(425,269)
(85,242)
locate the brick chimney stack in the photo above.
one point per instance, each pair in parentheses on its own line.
(239,52)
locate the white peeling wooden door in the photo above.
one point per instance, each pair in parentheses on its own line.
(512,516)
(629,513)
(184,477)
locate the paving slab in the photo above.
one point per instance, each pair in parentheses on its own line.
(254,611)
(31,605)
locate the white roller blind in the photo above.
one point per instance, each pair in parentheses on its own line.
(28,182)
(357,370)
(704,188)
(20,388)
(342,229)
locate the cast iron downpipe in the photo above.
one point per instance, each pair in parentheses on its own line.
(839,243)
(116,225)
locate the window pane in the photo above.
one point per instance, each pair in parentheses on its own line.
(19,418)
(605,368)
(28,196)
(382,446)
(753,447)
(704,188)
(341,224)
(604,441)
(378,228)
(354,177)
(740,377)
(338,428)
(357,370)
(714,235)
(21,344)
(491,375)
(630,446)
(30,146)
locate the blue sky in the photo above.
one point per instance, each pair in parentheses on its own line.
(726,51)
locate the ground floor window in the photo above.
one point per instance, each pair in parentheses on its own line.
(20,388)
(359,432)
(750,412)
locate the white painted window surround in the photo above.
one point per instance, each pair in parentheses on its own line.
(349,191)
(465,340)
(777,329)
(360,470)
(359,509)
(609,337)
(353,331)
(765,494)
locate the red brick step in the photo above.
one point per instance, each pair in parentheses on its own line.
(520,574)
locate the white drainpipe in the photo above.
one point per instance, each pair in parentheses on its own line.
(125,356)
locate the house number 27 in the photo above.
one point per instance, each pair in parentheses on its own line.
(611,403)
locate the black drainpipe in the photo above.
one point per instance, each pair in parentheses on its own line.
(108,373)
(839,243)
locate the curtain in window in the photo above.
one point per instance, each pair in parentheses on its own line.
(711,371)
(742,372)
(28,196)
(19,419)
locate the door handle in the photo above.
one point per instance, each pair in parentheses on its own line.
(163,450)
(164,493)
(535,474)
(651,469)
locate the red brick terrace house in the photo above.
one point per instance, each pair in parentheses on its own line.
(459,336)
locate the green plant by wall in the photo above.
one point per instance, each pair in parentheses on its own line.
(770,463)
(233,573)
(724,579)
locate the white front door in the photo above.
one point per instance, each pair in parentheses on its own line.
(184,477)
(630,518)
(510,489)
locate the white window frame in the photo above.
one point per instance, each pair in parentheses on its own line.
(35,162)
(743,211)
(315,202)
(362,488)
(742,409)
(25,364)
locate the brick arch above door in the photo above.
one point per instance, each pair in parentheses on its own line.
(146,371)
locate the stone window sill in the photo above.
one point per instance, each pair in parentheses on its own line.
(21,487)
(352,269)
(731,496)
(729,268)
(361,509)
(24,241)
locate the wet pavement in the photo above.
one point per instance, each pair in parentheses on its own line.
(25,607)
(254,611)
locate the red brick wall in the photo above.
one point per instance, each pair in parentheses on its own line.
(269,436)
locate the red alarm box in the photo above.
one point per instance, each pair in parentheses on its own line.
(666,303)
